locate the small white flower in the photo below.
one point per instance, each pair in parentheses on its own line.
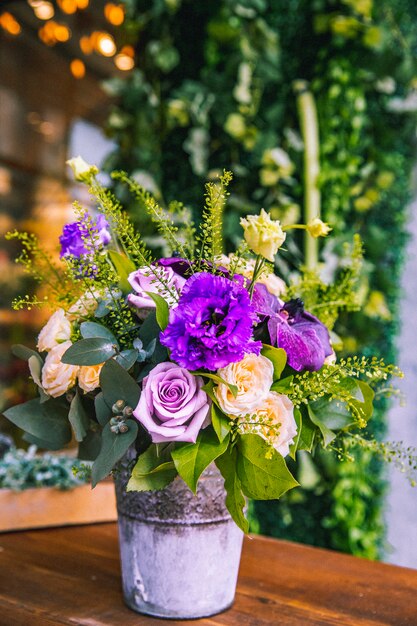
(83,171)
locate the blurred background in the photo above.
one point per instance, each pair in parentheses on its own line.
(172,91)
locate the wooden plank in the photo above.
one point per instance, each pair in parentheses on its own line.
(71,576)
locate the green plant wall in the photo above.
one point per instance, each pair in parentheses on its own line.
(213,89)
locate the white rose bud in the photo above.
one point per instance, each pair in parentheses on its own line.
(56,330)
(58,377)
(83,172)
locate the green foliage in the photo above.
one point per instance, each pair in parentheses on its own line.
(24,469)
(47,422)
(113,447)
(153,470)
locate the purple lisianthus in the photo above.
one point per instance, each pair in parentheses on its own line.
(161,280)
(80,238)
(212,325)
(172,406)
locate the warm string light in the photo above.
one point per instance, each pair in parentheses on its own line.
(10,24)
(114,13)
(53,32)
(77,68)
(124,61)
(72,6)
(44,10)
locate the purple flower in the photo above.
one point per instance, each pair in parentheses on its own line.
(79,239)
(144,279)
(303,337)
(212,324)
(172,406)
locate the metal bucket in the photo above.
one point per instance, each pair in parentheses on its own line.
(180,552)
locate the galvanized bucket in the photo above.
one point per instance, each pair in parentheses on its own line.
(180,552)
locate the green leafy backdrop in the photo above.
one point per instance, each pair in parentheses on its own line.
(214,88)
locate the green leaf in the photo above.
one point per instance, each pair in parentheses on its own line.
(191,459)
(151,471)
(328,434)
(333,414)
(22,352)
(220,422)
(113,447)
(162,309)
(220,381)
(117,384)
(78,418)
(35,367)
(123,267)
(307,433)
(149,329)
(41,443)
(235,500)
(283,385)
(278,358)
(362,396)
(91,330)
(127,358)
(89,352)
(47,421)
(262,471)
(89,448)
(299,422)
(103,410)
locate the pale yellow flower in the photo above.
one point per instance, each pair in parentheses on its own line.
(83,171)
(253,377)
(263,235)
(317,228)
(58,377)
(89,377)
(56,330)
(273,420)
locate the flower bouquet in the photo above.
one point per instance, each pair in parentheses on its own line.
(195,373)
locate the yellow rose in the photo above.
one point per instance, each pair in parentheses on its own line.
(263,235)
(253,376)
(317,228)
(89,377)
(274,421)
(58,377)
(56,330)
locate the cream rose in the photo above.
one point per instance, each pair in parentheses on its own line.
(274,421)
(83,171)
(263,235)
(89,377)
(85,305)
(58,377)
(253,376)
(56,330)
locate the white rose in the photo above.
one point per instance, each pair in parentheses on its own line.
(85,305)
(58,377)
(274,421)
(56,330)
(89,377)
(273,283)
(253,376)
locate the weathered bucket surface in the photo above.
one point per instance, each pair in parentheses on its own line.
(180,552)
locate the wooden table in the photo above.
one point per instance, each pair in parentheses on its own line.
(71,576)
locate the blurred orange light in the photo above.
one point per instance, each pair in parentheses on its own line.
(52,32)
(105,45)
(114,13)
(86,44)
(62,32)
(83,4)
(77,68)
(10,24)
(44,10)
(68,6)
(128,51)
(124,62)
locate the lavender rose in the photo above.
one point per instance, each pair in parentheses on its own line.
(162,280)
(173,406)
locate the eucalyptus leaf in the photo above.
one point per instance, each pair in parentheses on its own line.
(22,352)
(235,501)
(262,471)
(90,330)
(113,447)
(117,384)
(191,459)
(35,367)
(103,410)
(89,447)
(152,471)
(91,351)
(149,329)
(78,418)
(127,358)
(47,421)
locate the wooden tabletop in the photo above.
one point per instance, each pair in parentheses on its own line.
(71,576)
